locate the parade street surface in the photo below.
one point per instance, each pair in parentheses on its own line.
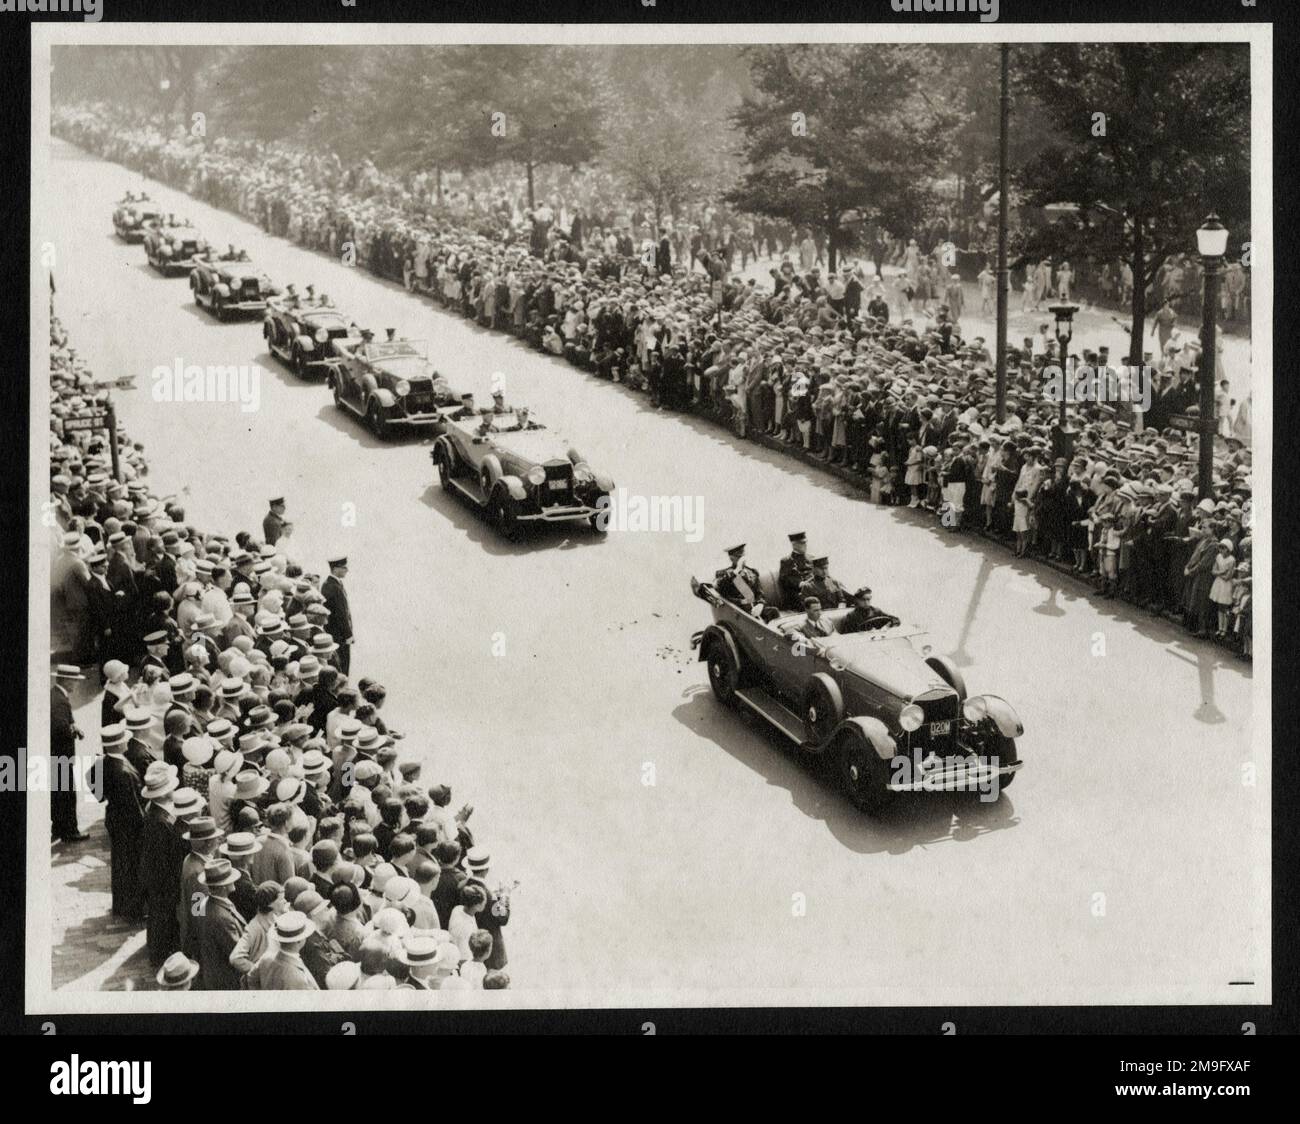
(668,849)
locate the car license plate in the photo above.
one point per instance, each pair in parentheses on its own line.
(940,729)
(555,485)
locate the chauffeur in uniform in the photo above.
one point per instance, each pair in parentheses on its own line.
(857,618)
(339,625)
(795,569)
(824,587)
(274,524)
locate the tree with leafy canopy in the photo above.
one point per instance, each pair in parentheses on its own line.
(668,136)
(533,105)
(840,135)
(1174,145)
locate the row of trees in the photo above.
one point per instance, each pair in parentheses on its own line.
(1139,139)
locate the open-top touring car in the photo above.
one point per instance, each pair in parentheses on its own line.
(301,331)
(507,465)
(890,716)
(230,288)
(173,247)
(390,383)
(131,216)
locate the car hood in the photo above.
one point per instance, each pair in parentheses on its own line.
(886,659)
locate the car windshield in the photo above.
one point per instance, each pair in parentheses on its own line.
(391,349)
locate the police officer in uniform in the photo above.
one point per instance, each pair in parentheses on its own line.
(795,570)
(824,587)
(339,625)
(274,524)
(860,617)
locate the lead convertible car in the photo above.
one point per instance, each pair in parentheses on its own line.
(889,716)
(506,465)
(132,216)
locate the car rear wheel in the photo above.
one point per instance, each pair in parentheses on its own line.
(503,514)
(375,419)
(861,772)
(724,670)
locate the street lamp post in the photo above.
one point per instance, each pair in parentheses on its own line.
(1212,242)
(1064,313)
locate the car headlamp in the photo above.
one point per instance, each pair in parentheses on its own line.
(537,476)
(402,389)
(165,251)
(975,708)
(322,334)
(911,717)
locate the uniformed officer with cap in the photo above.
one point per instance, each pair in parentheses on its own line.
(864,617)
(274,524)
(738,582)
(795,569)
(824,587)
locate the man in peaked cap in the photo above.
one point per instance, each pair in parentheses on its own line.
(822,586)
(795,570)
(339,625)
(274,524)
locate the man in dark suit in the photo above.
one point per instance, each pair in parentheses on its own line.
(63,754)
(220,928)
(340,621)
(119,785)
(446,894)
(663,254)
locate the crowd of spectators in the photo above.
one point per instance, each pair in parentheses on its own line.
(264,825)
(899,401)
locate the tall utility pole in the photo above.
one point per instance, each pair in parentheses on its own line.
(1004,281)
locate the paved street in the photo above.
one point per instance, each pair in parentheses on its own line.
(686,889)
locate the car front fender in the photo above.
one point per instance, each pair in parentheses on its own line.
(1004,716)
(385,397)
(604,483)
(717,634)
(876,733)
(221,290)
(515,487)
(306,343)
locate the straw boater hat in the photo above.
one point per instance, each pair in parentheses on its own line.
(292,926)
(240,844)
(177,970)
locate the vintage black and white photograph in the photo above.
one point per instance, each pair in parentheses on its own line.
(649,517)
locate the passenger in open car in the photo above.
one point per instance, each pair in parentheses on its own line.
(864,617)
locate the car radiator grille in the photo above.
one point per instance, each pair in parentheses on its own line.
(558,488)
(946,709)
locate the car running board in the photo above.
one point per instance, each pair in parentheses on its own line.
(470,489)
(775,712)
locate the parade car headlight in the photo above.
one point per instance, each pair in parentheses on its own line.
(975,708)
(165,251)
(402,389)
(322,334)
(537,476)
(911,717)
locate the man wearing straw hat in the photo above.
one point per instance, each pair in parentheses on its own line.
(282,969)
(63,754)
(220,927)
(159,882)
